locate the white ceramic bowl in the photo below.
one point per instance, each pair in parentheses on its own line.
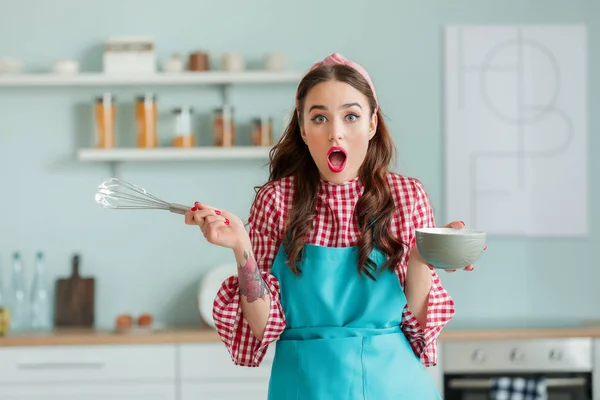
(449,248)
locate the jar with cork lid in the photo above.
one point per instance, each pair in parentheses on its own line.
(105,116)
(146,115)
(262,131)
(223,127)
(183,135)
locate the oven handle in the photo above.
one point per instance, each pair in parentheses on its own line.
(487,383)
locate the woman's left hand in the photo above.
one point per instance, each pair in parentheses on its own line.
(458,225)
(455,225)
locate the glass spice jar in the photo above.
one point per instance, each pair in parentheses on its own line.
(183,136)
(262,131)
(146,115)
(223,127)
(105,112)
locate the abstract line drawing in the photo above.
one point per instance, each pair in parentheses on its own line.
(516,129)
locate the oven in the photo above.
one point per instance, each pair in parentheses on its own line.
(565,364)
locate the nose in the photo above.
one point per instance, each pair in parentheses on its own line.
(336,132)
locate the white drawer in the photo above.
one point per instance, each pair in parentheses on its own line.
(526,355)
(91,391)
(87,363)
(212,361)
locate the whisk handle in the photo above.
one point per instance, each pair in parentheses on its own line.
(178,208)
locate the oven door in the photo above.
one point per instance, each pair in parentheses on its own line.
(559,386)
(565,363)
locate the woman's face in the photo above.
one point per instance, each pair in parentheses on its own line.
(337,126)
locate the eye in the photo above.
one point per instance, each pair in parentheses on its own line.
(319,119)
(352,117)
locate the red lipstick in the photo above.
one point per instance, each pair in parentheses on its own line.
(336,159)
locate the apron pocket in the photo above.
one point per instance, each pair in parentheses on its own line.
(330,369)
(393,371)
(318,369)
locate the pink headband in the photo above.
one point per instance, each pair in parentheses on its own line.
(336,59)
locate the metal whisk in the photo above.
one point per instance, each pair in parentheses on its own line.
(120,195)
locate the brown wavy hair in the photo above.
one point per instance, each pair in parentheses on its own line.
(374,210)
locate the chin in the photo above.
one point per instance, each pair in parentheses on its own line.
(339,177)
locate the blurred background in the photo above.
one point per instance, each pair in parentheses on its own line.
(490,105)
(150,262)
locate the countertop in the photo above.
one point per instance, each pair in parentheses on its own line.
(84,336)
(207,335)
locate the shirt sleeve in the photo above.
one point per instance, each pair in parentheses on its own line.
(264,227)
(440,306)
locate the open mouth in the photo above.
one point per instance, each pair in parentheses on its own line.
(336,159)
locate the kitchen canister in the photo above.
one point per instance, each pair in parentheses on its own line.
(274,62)
(233,62)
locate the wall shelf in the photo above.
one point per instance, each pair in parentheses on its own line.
(182,78)
(116,157)
(174,154)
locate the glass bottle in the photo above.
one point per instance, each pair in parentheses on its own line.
(19,297)
(40,317)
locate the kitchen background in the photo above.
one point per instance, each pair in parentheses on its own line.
(151,262)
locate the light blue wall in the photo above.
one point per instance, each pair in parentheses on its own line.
(151,261)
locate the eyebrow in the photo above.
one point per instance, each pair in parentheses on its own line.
(320,107)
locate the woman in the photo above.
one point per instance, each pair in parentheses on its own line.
(329,269)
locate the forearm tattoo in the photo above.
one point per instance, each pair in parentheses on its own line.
(252,284)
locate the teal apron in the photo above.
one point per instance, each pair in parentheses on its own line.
(343,340)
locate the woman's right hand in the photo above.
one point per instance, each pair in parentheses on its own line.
(218,226)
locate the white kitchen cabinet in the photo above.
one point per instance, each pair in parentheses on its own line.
(102,363)
(87,391)
(116,372)
(209,361)
(207,372)
(225,389)
(188,371)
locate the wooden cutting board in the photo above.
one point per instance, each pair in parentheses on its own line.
(75,297)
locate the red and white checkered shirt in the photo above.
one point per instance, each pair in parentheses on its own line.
(334,227)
